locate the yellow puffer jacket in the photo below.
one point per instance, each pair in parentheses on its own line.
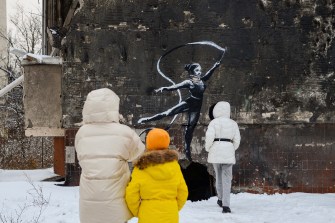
(157,190)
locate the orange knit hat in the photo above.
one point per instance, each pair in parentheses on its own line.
(157,139)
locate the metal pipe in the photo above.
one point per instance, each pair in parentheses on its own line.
(12,85)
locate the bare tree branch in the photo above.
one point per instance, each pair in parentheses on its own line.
(17,150)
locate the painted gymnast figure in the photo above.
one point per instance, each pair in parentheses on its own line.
(192,104)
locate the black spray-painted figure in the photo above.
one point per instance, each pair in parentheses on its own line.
(192,105)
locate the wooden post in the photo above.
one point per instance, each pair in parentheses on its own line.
(59,155)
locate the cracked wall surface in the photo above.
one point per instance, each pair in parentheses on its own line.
(278,75)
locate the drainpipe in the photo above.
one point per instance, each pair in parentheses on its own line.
(44,47)
(12,85)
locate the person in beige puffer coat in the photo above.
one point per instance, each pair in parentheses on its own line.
(222,139)
(104,147)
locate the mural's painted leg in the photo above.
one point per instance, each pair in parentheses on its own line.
(192,122)
(179,108)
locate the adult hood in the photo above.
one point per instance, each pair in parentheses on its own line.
(221,109)
(101,106)
(156,163)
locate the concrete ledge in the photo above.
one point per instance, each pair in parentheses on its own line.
(44,131)
(31,59)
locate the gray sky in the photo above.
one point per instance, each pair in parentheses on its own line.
(29,6)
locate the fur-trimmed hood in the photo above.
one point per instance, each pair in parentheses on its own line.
(152,158)
(159,164)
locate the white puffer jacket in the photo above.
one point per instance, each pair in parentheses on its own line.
(222,127)
(104,147)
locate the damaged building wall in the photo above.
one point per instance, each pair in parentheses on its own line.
(277,73)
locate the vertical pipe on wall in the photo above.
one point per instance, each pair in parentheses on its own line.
(44,27)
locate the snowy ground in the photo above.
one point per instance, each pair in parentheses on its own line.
(23,197)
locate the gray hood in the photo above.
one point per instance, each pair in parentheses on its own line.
(101,106)
(221,109)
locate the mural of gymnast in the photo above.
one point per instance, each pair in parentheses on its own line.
(192,104)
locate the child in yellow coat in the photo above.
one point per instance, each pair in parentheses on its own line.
(157,190)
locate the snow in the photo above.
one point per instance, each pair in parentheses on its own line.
(19,189)
(24,175)
(28,57)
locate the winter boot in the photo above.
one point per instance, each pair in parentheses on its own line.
(226,209)
(219,203)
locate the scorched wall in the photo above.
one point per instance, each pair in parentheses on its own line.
(277,73)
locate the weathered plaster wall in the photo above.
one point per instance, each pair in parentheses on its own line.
(278,75)
(42,99)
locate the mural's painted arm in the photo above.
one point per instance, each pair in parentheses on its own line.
(184,84)
(210,72)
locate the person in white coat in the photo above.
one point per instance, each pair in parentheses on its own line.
(104,147)
(222,139)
